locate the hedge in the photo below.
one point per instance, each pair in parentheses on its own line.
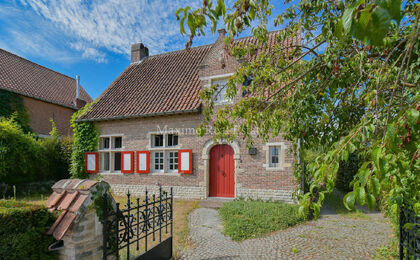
(26,158)
(23,229)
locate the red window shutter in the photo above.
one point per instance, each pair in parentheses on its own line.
(127,162)
(91,162)
(185,161)
(143,163)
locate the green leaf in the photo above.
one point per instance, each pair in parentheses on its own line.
(360,195)
(412,116)
(349,200)
(376,153)
(371,201)
(376,185)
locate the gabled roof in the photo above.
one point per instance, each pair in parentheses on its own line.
(160,84)
(24,77)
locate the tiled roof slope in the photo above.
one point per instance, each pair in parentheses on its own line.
(24,77)
(160,84)
(68,197)
(164,83)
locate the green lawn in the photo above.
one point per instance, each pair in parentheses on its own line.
(251,219)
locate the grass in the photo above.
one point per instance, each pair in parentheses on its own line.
(336,203)
(251,219)
(389,252)
(181,238)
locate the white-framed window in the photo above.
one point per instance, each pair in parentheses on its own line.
(158,160)
(172,161)
(275,156)
(110,147)
(172,140)
(157,140)
(220,93)
(274,159)
(164,150)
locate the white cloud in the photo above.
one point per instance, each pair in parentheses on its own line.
(115,25)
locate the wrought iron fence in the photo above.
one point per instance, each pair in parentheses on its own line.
(409,234)
(138,224)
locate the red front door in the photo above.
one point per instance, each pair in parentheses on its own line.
(222,171)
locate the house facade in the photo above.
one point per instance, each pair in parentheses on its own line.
(147,119)
(46,94)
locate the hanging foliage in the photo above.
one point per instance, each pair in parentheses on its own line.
(351,84)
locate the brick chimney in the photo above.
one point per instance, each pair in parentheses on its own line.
(138,52)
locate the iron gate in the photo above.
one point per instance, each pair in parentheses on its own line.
(409,234)
(141,230)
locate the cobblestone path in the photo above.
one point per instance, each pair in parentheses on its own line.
(330,237)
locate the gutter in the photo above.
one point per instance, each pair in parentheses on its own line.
(177,112)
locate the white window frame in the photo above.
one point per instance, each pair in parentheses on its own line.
(217,93)
(111,151)
(281,164)
(168,163)
(210,79)
(159,163)
(165,149)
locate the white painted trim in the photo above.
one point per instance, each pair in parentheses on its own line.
(282,163)
(217,76)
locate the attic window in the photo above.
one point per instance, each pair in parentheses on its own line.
(220,95)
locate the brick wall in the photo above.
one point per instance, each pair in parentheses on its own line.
(251,177)
(41,112)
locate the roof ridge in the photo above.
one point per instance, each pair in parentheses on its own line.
(171,52)
(37,64)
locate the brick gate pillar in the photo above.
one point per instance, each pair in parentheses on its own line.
(78,231)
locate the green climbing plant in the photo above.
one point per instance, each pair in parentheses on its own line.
(85,139)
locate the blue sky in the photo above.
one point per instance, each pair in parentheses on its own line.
(92,38)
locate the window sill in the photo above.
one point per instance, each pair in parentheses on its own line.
(111,173)
(165,174)
(273,169)
(164,148)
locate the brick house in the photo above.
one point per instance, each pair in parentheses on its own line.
(147,119)
(46,94)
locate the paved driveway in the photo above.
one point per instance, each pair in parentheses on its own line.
(330,237)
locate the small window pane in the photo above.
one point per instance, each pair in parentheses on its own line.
(173,161)
(158,140)
(117,161)
(105,158)
(158,165)
(118,142)
(274,156)
(104,143)
(172,140)
(220,92)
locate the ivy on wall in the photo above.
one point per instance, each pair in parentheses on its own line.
(11,105)
(85,139)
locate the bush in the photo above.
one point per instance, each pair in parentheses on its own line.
(250,219)
(23,231)
(26,158)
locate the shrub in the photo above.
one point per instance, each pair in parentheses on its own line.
(23,231)
(26,158)
(346,172)
(250,219)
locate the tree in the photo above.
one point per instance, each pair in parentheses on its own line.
(352,85)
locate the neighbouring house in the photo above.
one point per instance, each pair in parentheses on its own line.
(147,119)
(46,94)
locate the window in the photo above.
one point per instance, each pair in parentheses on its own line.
(220,92)
(158,141)
(117,161)
(172,140)
(104,143)
(158,161)
(172,161)
(164,152)
(118,142)
(110,153)
(274,156)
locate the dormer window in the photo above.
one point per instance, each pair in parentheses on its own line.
(220,95)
